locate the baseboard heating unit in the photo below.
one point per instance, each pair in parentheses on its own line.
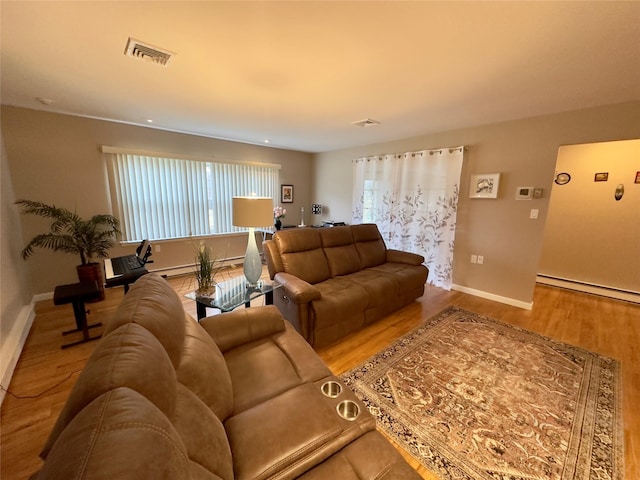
(602,290)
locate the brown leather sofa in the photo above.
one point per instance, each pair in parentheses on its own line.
(238,396)
(336,280)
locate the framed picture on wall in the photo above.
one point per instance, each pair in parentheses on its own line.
(601,177)
(484,185)
(637,177)
(286,193)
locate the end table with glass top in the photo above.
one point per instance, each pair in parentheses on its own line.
(231,294)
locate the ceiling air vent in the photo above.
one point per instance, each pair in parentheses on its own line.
(137,49)
(367,122)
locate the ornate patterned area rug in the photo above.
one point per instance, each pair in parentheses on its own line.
(474,398)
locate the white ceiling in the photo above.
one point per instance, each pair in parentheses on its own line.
(299,73)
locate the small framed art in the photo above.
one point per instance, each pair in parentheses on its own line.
(286,193)
(637,177)
(484,185)
(601,177)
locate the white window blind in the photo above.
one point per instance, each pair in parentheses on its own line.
(162,198)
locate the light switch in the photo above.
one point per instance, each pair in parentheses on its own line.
(534,214)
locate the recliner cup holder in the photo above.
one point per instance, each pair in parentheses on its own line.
(331,389)
(348,410)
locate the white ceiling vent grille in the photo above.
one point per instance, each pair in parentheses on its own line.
(137,49)
(367,122)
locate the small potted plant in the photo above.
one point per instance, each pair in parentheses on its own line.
(278,215)
(69,233)
(206,268)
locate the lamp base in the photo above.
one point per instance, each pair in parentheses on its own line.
(256,286)
(252,262)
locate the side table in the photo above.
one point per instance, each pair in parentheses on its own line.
(77,294)
(232,294)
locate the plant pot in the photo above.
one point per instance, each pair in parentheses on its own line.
(92,272)
(207,292)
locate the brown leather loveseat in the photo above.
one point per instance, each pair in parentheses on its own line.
(239,396)
(336,280)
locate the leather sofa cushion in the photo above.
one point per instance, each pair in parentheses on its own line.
(120,435)
(128,357)
(204,370)
(308,365)
(297,240)
(198,472)
(265,368)
(259,371)
(340,251)
(407,276)
(203,435)
(297,430)
(381,288)
(152,303)
(369,244)
(302,255)
(371,457)
(341,298)
(310,266)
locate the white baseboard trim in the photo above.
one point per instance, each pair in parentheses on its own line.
(42,296)
(13,344)
(189,269)
(604,291)
(491,296)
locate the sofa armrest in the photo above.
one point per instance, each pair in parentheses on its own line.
(297,289)
(398,256)
(241,326)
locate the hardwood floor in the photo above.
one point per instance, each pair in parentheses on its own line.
(45,374)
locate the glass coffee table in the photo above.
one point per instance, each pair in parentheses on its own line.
(231,294)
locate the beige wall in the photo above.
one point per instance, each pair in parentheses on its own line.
(525,153)
(57,159)
(15,312)
(13,274)
(590,237)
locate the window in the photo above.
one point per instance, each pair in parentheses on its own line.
(157,197)
(369,201)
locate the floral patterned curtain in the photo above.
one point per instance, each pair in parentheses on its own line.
(413,198)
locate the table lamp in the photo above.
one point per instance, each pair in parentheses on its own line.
(252,212)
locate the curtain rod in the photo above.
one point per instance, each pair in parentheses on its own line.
(462,148)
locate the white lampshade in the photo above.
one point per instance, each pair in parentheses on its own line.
(252,211)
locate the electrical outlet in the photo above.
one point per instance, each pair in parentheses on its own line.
(533,215)
(474,259)
(480,259)
(158,248)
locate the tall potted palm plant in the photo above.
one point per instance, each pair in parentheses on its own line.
(69,233)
